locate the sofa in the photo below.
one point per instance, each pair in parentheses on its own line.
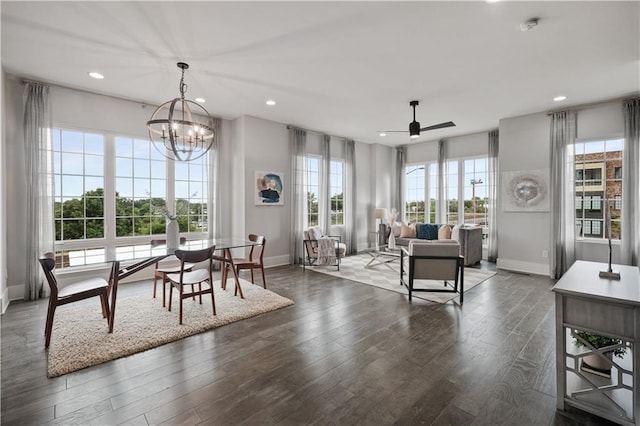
(468,236)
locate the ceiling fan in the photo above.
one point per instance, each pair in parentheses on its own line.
(414,126)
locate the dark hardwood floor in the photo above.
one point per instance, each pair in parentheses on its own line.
(345,353)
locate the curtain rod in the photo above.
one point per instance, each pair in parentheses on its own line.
(590,104)
(289,127)
(119,98)
(60,86)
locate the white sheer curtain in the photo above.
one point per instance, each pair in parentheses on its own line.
(563,247)
(298,144)
(630,237)
(214,208)
(324,198)
(40,236)
(397,200)
(494,145)
(350,197)
(441,202)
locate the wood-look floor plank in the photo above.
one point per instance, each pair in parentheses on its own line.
(345,353)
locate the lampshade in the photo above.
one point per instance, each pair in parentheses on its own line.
(380,213)
(181,129)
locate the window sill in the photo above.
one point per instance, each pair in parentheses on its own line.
(597,241)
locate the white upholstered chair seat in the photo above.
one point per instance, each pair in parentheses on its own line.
(82,286)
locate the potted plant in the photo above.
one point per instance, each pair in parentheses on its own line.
(594,363)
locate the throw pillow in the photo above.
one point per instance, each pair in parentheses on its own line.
(407,231)
(455,232)
(421,231)
(444,233)
(427,231)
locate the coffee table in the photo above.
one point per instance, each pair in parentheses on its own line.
(383,255)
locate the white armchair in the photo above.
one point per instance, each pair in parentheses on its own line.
(433,260)
(321,249)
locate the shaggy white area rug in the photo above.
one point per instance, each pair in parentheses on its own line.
(80,336)
(388,277)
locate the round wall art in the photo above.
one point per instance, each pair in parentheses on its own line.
(525,190)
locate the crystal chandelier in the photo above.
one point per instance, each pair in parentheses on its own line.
(181,129)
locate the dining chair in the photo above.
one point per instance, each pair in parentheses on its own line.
(191,278)
(438,260)
(160,272)
(255,260)
(73,292)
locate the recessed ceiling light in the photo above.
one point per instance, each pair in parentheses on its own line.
(492,1)
(96,75)
(383,134)
(271,102)
(201,100)
(559,98)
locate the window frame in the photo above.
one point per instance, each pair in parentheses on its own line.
(95,251)
(601,193)
(336,216)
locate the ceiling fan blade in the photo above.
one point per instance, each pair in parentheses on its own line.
(439,126)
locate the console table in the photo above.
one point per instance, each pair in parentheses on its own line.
(610,308)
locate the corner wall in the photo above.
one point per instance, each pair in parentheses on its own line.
(524,238)
(4,291)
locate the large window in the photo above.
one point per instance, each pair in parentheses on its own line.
(316,194)
(451,191)
(475,191)
(416,194)
(598,185)
(78,168)
(336,191)
(313,190)
(141,188)
(191,189)
(111,194)
(421,185)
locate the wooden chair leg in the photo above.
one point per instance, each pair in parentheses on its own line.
(49,325)
(252,282)
(181,295)
(199,291)
(213,300)
(105,305)
(165,281)
(264,280)
(155,283)
(224,272)
(170,294)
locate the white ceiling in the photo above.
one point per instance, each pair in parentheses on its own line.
(345,68)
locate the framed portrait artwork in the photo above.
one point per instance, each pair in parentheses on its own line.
(269,188)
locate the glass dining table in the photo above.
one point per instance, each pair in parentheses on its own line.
(222,246)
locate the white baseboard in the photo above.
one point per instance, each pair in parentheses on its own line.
(4,300)
(522,266)
(272,262)
(16,292)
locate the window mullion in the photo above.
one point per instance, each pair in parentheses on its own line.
(110,197)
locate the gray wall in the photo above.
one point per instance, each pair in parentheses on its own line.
(250,144)
(4,292)
(524,145)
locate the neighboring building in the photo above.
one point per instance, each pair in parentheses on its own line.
(598,182)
